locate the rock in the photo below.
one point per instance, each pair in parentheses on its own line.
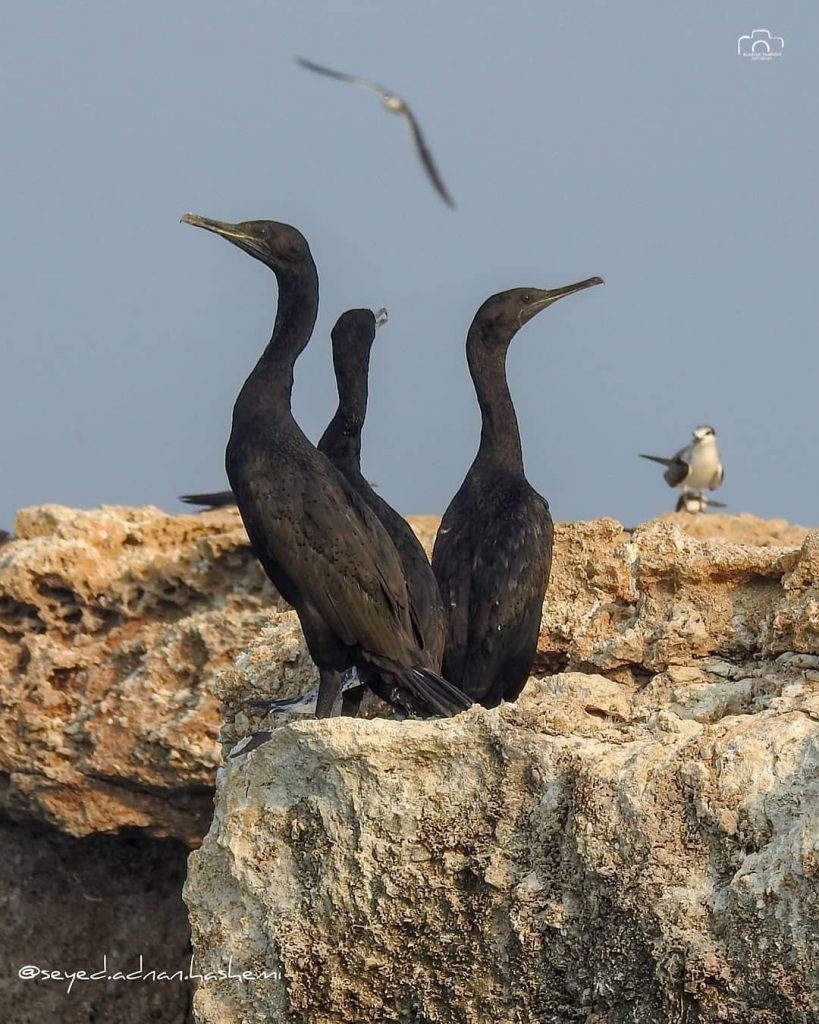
(96,905)
(113,627)
(635,840)
(546,861)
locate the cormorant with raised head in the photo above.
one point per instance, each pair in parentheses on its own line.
(323,548)
(493,552)
(352,339)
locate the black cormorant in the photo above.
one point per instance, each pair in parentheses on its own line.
(396,105)
(352,339)
(493,551)
(323,548)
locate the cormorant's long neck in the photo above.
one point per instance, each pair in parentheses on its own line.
(341,441)
(270,383)
(500,436)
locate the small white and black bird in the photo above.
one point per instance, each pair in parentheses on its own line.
(695,503)
(697,466)
(396,105)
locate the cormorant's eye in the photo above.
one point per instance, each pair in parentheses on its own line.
(526,298)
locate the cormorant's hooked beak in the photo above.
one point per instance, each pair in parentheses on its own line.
(553,294)
(381,317)
(570,289)
(232,232)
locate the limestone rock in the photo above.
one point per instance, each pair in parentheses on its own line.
(636,840)
(634,606)
(113,627)
(559,858)
(119,628)
(97,905)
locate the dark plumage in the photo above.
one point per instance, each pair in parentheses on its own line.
(318,541)
(493,551)
(218,499)
(4,536)
(352,337)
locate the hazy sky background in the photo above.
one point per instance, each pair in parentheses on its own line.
(584,137)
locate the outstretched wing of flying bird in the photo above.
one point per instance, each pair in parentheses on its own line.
(426,157)
(398,105)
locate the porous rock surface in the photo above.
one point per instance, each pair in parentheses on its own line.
(113,627)
(636,840)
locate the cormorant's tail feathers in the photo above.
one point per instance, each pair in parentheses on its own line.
(430,692)
(657,458)
(219,499)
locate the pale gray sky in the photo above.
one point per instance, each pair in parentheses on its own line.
(584,137)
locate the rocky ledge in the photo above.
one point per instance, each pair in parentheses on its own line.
(636,840)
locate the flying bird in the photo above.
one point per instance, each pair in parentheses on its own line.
(695,467)
(396,105)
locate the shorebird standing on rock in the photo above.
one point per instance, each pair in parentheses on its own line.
(696,503)
(695,467)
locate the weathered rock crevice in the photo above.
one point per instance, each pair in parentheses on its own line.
(634,841)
